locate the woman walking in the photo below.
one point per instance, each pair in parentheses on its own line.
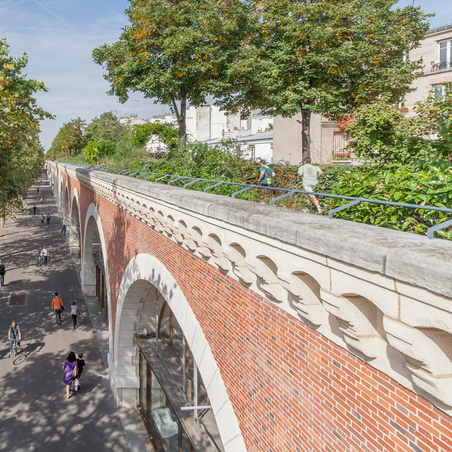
(40,256)
(74,311)
(70,372)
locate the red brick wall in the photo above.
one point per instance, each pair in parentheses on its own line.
(292,389)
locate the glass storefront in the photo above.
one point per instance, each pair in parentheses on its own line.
(167,383)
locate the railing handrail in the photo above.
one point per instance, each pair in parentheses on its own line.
(288,192)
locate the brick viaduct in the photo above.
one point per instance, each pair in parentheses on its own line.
(309,334)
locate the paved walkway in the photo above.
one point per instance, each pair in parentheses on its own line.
(34,412)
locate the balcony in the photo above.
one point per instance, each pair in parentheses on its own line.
(441,65)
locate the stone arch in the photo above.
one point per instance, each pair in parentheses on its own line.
(67,208)
(60,194)
(94,253)
(75,231)
(145,271)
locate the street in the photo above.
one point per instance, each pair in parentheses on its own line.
(34,412)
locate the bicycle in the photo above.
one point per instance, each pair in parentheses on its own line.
(14,348)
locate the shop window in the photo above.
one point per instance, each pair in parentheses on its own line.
(164,327)
(163,417)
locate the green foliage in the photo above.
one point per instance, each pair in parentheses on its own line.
(21,156)
(429,187)
(434,117)
(175,50)
(168,133)
(106,127)
(381,133)
(97,150)
(322,56)
(70,139)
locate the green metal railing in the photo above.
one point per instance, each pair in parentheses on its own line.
(171,179)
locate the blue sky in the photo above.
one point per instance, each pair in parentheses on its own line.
(59,36)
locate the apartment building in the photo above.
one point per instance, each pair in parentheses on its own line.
(436,54)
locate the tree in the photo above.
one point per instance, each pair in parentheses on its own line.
(434,117)
(174,51)
(323,56)
(70,139)
(106,127)
(21,155)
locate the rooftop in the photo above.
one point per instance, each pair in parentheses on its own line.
(440,28)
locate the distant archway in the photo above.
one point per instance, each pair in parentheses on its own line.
(66,210)
(94,275)
(75,235)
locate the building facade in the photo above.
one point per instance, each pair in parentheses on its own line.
(436,54)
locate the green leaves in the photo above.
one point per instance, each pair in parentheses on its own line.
(174,50)
(70,139)
(21,156)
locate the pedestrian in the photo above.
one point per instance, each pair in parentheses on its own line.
(265,176)
(48,218)
(34,209)
(40,256)
(81,366)
(63,229)
(41,200)
(2,273)
(58,307)
(42,219)
(310,175)
(70,372)
(74,313)
(45,255)
(37,191)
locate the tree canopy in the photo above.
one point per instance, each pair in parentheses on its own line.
(70,139)
(106,127)
(324,56)
(174,51)
(21,156)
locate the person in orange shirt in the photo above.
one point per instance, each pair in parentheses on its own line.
(58,307)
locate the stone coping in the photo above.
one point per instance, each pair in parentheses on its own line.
(403,256)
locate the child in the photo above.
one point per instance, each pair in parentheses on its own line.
(81,366)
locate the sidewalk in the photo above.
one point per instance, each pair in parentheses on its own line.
(34,412)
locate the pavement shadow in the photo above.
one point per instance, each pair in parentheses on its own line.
(49,420)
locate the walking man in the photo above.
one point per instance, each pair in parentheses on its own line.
(58,307)
(45,254)
(265,176)
(63,229)
(34,209)
(48,218)
(2,273)
(41,200)
(310,175)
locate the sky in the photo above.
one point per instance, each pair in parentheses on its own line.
(59,35)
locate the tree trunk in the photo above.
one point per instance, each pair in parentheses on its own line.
(181,116)
(305,133)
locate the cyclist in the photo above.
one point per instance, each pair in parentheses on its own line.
(14,334)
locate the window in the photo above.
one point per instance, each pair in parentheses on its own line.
(439,91)
(445,54)
(252,151)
